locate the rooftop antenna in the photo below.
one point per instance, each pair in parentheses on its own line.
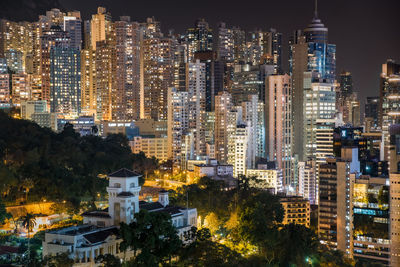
(316,9)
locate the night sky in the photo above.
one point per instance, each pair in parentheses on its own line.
(366,32)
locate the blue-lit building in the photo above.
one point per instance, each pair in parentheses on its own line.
(65,77)
(310,52)
(368,149)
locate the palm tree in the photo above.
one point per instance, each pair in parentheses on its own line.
(29,221)
(28,185)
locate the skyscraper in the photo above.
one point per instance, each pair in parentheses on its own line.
(196,88)
(100,26)
(309,53)
(65,79)
(372,110)
(199,38)
(223,105)
(126,93)
(394,179)
(73,26)
(335,209)
(54,37)
(157,74)
(104,79)
(319,104)
(389,99)
(178,123)
(278,124)
(346,84)
(225,43)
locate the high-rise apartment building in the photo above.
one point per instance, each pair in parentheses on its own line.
(126,92)
(73,26)
(88,81)
(100,26)
(278,124)
(178,123)
(307,181)
(394,180)
(199,38)
(4,90)
(250,118)
(55,37)
(239,148)
(335,212)
(223,105)
(157,74)
(65,81)
(225,43)
(16,43)
(104,79)
(196,88)
(249,80)
(215,76)
(21,89)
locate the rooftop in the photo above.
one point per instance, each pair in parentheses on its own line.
(124,173)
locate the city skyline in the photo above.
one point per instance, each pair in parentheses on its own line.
(253,122)
(360,58)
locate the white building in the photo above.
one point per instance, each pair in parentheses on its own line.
(271,178)
(99,233)
(239,147)
(178,123)
(196,87)
(307,179)
(250,117)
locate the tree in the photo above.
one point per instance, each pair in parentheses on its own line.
(109,260)
(204,252)
(296,243)
(258,219)
(154,235)
(59,260)
(4,215)
(29,222)
(212,222)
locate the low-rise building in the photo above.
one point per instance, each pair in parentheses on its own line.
(99,233)
(33,106)
(151,147)
(297,210)
(46,119)
(128,128)
(270,178)
(84,125)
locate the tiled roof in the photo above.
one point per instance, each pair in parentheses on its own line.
(96,213)
(150,206)
(157,207)
(101,235)
(124,173)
